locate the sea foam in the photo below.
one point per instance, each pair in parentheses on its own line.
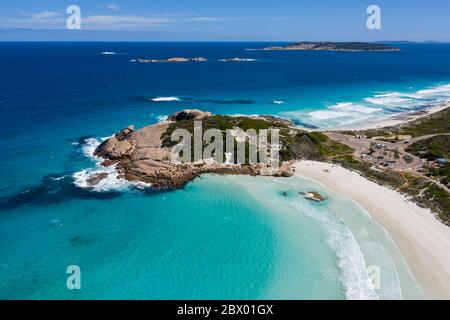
(353,107)
(162,118)
(386,100)
(350,260)
(165,99)
(377,108)
(325,115)
(112,181)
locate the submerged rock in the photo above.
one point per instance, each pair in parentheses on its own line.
(313,196)
(96,178)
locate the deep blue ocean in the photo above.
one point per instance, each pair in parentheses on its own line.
(215,238)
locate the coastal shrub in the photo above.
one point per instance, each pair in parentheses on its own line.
(383,177)
(428,195)
(435,123)
(432,148)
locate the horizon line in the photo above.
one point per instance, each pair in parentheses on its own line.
(272,41)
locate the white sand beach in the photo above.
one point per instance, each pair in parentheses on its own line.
(422,239)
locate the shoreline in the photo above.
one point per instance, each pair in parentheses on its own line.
(398,119)
(422,239)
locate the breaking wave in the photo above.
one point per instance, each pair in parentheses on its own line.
(110,178)
(162,119)
(381,106)
(350,260)
(165,99)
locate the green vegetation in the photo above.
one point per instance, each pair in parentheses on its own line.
(295,143)
(383,177)
(348,46)
(299,144)
(329,148)
(432,148)
(408,158)
(222,123)
(428,195)
(436,123)
(310,145)
(424,192)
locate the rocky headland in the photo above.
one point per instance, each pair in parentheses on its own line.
(144,155)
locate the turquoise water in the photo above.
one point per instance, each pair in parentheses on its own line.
(356,241)
(219,237)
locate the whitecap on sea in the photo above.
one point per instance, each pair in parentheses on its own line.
(165,99)
(377,108)
(112,180)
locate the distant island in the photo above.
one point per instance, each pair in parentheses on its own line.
(184,59)
(173,59)
(333,46)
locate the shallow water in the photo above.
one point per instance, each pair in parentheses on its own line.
(219,237)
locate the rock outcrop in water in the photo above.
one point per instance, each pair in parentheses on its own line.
(313,196)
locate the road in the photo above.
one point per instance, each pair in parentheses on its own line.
(385,156)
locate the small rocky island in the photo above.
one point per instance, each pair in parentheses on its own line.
(334,46)
(174,59)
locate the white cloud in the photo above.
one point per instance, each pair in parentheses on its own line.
(214,19)
(113,7)
(38,20)
(55,20)
(247,18)
(113,22)
(46,15)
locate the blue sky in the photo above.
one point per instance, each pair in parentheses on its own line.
(230,20)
